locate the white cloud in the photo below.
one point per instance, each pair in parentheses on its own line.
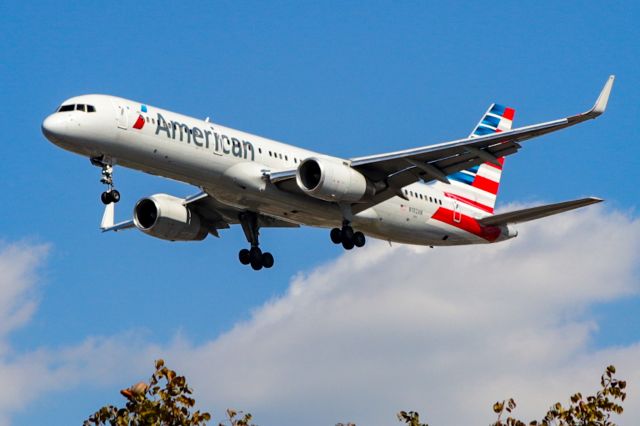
(29,375)
(446,332)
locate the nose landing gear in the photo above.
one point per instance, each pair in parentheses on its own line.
(254,256)
(111,195)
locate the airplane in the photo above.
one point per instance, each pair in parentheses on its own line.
(435,195)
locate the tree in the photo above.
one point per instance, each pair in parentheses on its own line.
(593,410)
(166,400)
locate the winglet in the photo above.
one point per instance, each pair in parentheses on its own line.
(108,216)
(601,104)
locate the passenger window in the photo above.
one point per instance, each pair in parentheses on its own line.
(65,108)
(91,108)
(147,119)
(260,150)
(280,156)
(286,158)
(295,160)
(153,121)
(421,196)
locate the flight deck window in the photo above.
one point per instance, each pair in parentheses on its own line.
(80,107)
(91,108)
(65,108)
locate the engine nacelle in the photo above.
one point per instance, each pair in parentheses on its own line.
(166,217)
(332,180)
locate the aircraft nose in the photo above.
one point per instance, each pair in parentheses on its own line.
(54,126)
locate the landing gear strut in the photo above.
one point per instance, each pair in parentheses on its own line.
(347,237)
(111,195)
(253,256)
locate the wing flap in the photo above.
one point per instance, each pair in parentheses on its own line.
(533,213)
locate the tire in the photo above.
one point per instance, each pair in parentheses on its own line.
(256,265)
(336,236)
(255,256)
(267,260)
(244,256)
(358,239)
(346,234)
(347,244)
(105,198)
(115,196)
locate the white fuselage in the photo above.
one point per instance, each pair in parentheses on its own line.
(230,166)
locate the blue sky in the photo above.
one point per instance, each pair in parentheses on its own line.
(345,78)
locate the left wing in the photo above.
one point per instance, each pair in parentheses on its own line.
(216,215)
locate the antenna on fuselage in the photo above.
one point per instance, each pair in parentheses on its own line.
(207,120)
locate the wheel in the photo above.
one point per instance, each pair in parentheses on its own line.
(267,260)
(244,256)
(106,199)
(347,244)
(255,255)
(346,234)
(115,195)
(358,239)
(256,265)
(336,236)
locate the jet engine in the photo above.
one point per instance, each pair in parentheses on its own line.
(166,217)
(332,180)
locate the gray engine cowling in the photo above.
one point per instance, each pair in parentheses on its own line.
(166,217)
(332,180)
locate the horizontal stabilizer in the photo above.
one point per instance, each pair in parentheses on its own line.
(539,212)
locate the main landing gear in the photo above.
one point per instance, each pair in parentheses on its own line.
(347,237)
(253,256)
(111,195)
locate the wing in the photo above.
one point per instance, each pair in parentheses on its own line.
(435,162)
(215,214)
(395,170)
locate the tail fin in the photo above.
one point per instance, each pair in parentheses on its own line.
(478,186)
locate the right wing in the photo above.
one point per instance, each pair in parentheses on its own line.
(435,162)
(539,212)
(392,171)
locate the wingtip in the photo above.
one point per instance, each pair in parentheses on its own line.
(595,200)
(601,104)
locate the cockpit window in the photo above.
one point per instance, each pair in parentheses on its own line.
(77,107)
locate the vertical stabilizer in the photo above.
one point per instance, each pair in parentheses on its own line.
(478,186)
